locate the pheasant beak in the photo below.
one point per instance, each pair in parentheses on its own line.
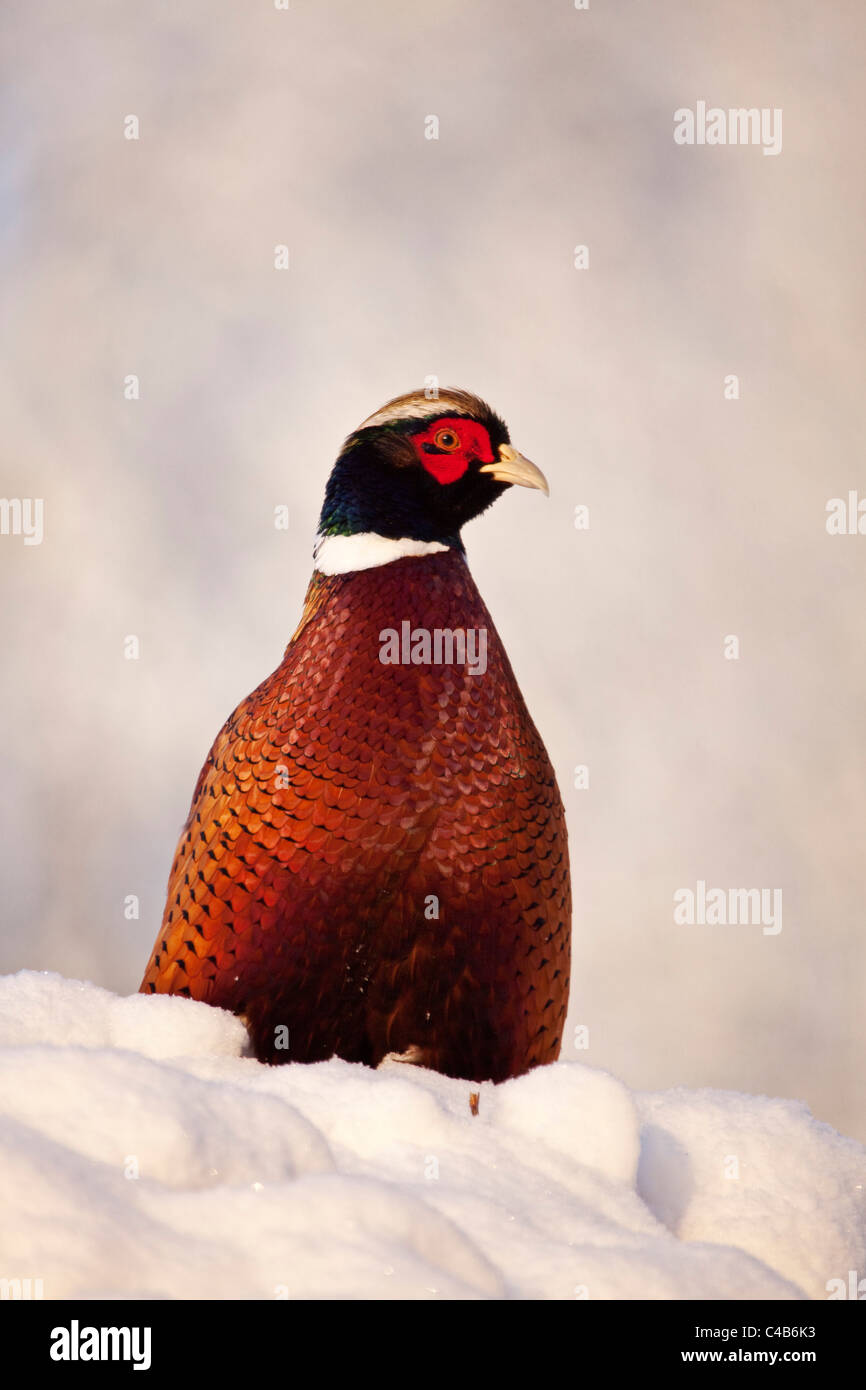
(512,467)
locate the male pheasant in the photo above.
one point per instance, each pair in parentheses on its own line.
(375,860)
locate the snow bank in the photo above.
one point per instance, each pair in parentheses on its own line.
(144,1153)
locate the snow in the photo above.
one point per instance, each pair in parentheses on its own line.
(145,1153)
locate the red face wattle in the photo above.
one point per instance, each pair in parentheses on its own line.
(448,446)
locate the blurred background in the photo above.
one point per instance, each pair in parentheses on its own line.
(412,257)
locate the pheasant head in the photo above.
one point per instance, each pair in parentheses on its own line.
(413,474)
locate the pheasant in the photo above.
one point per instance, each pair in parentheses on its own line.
(375,861)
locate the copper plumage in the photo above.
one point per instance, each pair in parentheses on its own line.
(375,859)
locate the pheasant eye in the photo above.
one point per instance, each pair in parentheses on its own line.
(446,439)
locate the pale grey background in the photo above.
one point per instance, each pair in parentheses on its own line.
(454,257)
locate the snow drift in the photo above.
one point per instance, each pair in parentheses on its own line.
(144,1153)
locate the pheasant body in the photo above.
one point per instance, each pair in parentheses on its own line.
(375,859)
